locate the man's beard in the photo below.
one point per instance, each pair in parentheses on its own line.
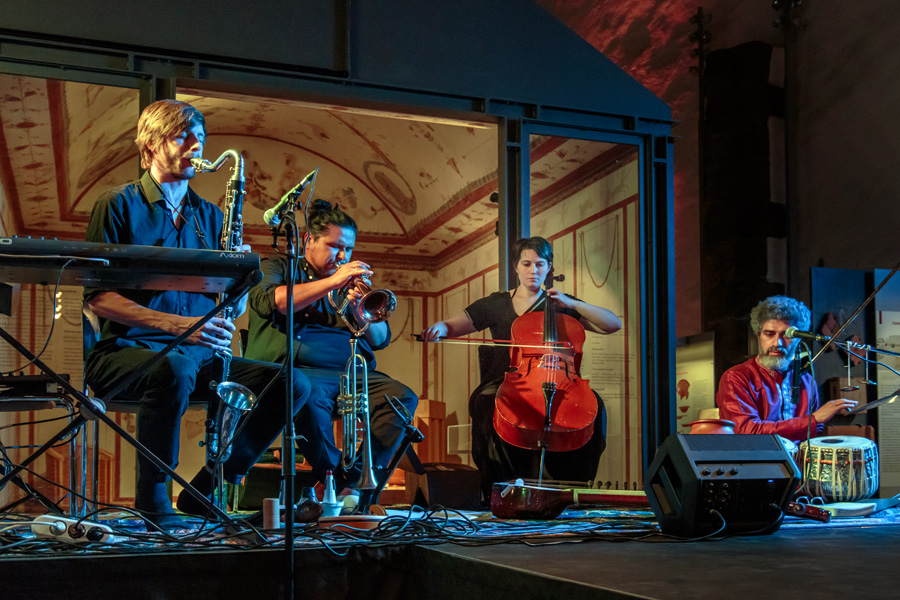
(321,273)
(171,163)
(775,362)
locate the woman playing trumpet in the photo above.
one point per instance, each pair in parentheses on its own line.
(496,459)
(322,341)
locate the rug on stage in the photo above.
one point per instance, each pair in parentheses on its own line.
(641,516)
(402,525)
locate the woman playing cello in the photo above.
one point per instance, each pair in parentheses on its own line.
(496,459)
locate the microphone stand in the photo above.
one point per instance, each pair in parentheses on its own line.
(411,435)
(288,445)
(865,349)
(856,312)
(795,378)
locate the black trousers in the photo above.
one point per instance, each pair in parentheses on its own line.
(498,460)
(314,422)
(165,390)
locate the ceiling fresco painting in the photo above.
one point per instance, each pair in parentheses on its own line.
(419,187)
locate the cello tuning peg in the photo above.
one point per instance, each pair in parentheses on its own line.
(559,277)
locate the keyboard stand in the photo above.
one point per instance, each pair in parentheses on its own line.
(91,408)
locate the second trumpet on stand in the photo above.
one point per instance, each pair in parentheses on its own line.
(372,306)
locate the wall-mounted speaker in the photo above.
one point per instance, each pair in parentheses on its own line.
(700,484)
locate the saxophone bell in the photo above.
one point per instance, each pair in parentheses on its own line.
(235,400)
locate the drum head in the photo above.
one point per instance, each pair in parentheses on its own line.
(840,441)
(839,468)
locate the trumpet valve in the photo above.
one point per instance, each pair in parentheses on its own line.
(346,405)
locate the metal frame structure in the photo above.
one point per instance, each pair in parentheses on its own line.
(158,74)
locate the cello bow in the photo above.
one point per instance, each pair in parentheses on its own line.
(491,342)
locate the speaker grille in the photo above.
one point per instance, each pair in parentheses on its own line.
(731,443)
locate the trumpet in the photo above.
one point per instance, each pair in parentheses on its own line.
(234,398)
(353,409)
(375,306)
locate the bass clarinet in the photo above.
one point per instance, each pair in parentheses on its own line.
(235,399)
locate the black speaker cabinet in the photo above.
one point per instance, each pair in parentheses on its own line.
(747,479)
(450,485)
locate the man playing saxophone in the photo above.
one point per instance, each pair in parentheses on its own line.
(322,342)
(162,210)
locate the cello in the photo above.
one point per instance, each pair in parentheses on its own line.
(543,403)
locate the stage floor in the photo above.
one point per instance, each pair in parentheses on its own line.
(439,559)
(847,562)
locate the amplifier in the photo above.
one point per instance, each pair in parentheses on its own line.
(747,479)
(29,385)
(445,484)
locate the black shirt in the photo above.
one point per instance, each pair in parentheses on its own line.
(496,312)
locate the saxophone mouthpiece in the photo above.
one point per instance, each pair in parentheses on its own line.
(201,165)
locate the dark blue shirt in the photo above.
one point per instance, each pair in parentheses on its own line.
(136,213)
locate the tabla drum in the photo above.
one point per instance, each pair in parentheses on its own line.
(839,468)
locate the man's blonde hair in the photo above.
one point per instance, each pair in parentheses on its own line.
(162,119)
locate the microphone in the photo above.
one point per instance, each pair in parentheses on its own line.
(272,217)
(794,333)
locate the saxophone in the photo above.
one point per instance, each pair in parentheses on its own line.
(235,399)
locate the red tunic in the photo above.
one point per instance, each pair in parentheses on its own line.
(758,400)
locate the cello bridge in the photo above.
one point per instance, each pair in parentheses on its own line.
(550,361)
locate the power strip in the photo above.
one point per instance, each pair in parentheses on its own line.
(68,529)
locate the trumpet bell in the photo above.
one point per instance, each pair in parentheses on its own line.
(376,306)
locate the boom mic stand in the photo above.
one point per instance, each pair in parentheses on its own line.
(856,312)
(866,348)
(288,441)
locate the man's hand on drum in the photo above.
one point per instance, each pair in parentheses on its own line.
(833,407)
